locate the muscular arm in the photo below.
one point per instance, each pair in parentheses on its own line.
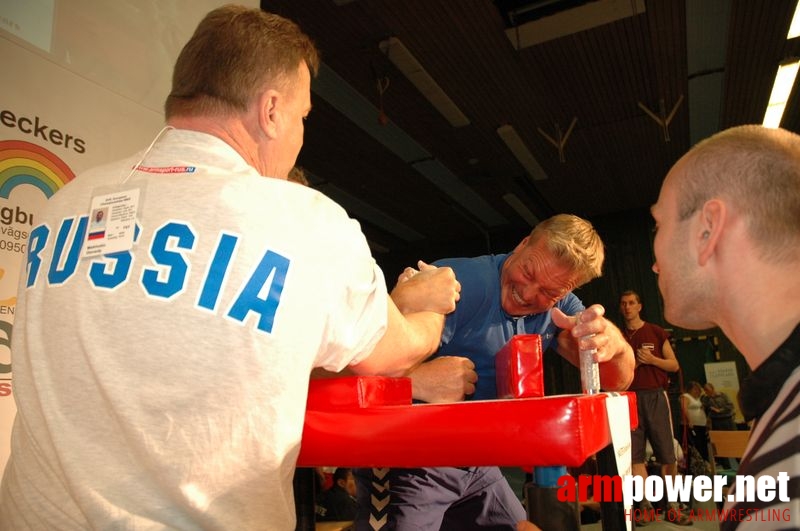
(447,378)
(408,340)
(441,380)
(415,321)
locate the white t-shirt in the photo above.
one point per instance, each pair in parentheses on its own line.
(165,387)
(695,410)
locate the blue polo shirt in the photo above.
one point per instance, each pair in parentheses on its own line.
(479,327)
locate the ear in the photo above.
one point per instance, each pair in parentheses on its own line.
(713,216)
(268,107)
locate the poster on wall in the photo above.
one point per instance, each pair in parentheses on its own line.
(29,175)
(43,145)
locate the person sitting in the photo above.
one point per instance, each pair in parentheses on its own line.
(338,503)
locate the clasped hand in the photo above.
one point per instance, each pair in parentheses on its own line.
(645,356)
(590,331)
(429,288)
(444,379)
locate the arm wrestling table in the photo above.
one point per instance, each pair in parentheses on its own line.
(371,422)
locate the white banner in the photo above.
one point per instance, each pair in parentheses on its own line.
(45,139)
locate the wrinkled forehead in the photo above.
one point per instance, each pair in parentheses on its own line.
(538,255)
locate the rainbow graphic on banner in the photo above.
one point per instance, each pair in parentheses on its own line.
(26,163)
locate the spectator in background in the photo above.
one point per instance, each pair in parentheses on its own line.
(719,408)
(654,360)
(338,503)
(695,420)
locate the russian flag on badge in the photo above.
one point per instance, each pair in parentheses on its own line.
(97,235)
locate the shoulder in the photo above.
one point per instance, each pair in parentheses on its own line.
(776,431)
(477,275)
(312,211)
(483,265)
(570,304)
(99,175)
(657,330)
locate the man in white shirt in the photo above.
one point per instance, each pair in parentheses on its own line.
(164,385)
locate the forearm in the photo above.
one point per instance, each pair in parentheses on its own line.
(404,298)
(617,373)
(408,340)
(665,364)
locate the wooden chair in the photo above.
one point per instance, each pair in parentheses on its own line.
(726,444)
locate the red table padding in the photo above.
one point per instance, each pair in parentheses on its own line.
(547,431)
(358,391)
(519,369)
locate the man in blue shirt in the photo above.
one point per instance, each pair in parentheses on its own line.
(528,291)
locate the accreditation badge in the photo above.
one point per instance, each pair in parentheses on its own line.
(112,221)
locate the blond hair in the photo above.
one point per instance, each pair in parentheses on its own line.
(574,242)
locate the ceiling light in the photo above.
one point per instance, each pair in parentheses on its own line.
(784,81)
(520,208)
(541,21)
(794,27)
(410,67)
(520,150)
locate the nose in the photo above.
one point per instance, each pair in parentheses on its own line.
(528,291)
(655,268)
